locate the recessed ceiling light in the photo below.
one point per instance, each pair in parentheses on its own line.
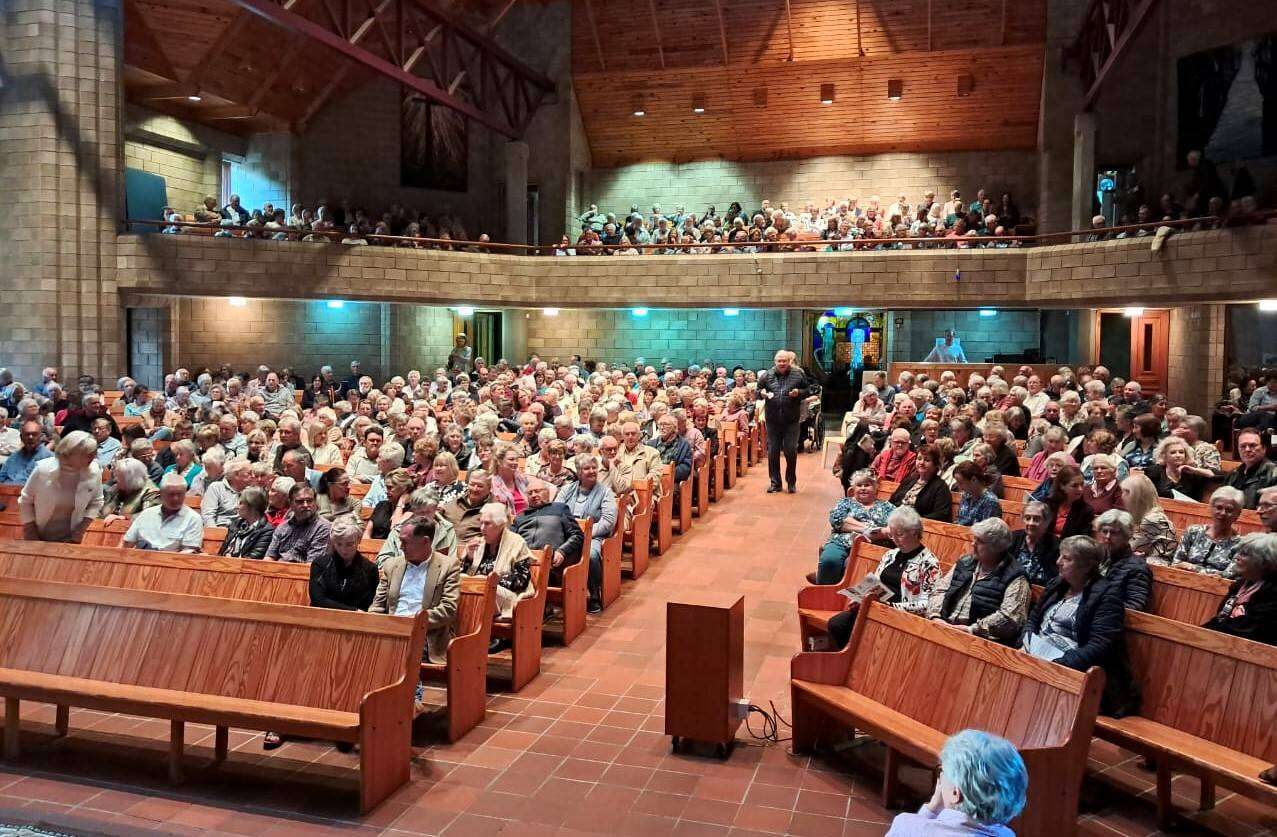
(193,99)
(827,93)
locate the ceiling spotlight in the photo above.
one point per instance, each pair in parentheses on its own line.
(550,312)
(639,312)
(465,311)
(698,103)
(639,109)
(237,301)
(731,312)
(1268,305)
(895,89)
(827,93)
(193,99)
(336,303)
(1133,312)
(966,84)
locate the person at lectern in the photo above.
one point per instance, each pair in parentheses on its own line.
(947,350)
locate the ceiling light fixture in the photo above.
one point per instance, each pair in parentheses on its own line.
(237,301)
(1133,312)
(895,89)
(698,103)
(1268,305)
(550,312)
(465,311)
(639,109)
(827,93)
(193,99)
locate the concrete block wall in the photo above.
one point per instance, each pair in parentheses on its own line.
(60,173)
(683,336)
(187,179)
(1009,332)
(420,338)
(266,175)
(1195,367)
(303,335)
(332,166)
(149,345)
(191,173)
(719,182)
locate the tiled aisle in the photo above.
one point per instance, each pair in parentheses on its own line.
(579,750)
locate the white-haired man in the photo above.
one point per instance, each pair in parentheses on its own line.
(784,387)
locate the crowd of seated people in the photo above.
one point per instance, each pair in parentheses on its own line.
(836,225)
(327,221)
(541,445)
(1088,533)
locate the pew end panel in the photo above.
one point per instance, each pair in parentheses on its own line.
(385,728)
(613,546)
(638,536)
(466,670)
(526,625)
(571,597)
(665,512)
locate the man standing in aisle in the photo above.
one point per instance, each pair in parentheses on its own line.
(784,387)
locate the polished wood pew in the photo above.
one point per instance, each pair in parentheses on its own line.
(569,623)
(638,538)
(899,680)
(703,478)
(1186,596)
(613,547)
(818,602)
(465,675)
(1207,709)
(665,511)
(719,465)
(524,628)
(682,516)
(731,455)
(164,572)
(948,541)
(167,655)
(1184,514)
(1018,489)
(101,533)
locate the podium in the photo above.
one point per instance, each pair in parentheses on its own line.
(704,668)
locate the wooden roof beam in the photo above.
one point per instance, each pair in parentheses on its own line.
(594,30)
(1123,17)
(656,31)
(722,30)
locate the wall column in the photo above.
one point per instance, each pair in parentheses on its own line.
(1083,169)
(516,192)
(60,170)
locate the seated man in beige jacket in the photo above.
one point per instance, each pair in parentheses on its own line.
(422,579)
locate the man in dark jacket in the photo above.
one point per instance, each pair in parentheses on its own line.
(550,524)
(783,387)
(673,448)
(1257,472)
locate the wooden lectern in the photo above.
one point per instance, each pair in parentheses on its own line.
(704,668)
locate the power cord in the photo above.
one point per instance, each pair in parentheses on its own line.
(772,722)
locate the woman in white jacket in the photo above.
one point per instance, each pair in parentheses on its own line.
(64,492)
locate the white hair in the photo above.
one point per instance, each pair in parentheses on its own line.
(77,441)
(495,513)
(173,480)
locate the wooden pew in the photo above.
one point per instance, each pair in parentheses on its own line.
(166,655)
(686,500)
(1186,596)
(214,537)
(524,628)
(719,464)
(731,456)
(1017,488)
(638,538)
(613,546)
(948,541)
(818,602)
(1184,514)
(466,672)
(874,685)
(1207,709)
(101,533)
(571,597)
(665,511)
(164,572)
(701,480)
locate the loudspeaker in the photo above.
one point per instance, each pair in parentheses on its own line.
(704,667)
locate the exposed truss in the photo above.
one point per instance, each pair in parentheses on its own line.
(425,50)
(1107,29)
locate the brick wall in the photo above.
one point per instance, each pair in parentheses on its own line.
(266,175)
(187,155)
(420,338)
(1195,367)
(187,179)
(719,182)
(750,338)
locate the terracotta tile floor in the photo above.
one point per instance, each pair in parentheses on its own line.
(580,750)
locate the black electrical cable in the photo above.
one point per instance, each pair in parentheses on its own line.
(772,722)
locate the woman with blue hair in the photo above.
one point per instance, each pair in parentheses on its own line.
(981,788)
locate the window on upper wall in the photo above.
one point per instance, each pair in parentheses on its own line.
(228,176)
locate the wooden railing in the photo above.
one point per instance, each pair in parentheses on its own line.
(808,243)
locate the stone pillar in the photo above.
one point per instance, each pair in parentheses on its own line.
(60,171)
(1197,361)
(1061,98)
(1083,169)
(516,192)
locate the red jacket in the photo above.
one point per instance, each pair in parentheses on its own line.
(886,470)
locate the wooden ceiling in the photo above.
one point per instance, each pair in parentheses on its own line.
(248,75)
(758,72)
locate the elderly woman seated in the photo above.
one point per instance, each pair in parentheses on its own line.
(1250,608)
(978,502)
(64,492)
(1209,547)
(1078,622)
(343,579)
(1125,571)
(499,549)
(131,492)
(981,787)
(859,514)
(249,532)
(1153,535)
(1174,471)
(986,593)
(909,573)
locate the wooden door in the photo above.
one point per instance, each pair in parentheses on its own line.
(1150,348)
